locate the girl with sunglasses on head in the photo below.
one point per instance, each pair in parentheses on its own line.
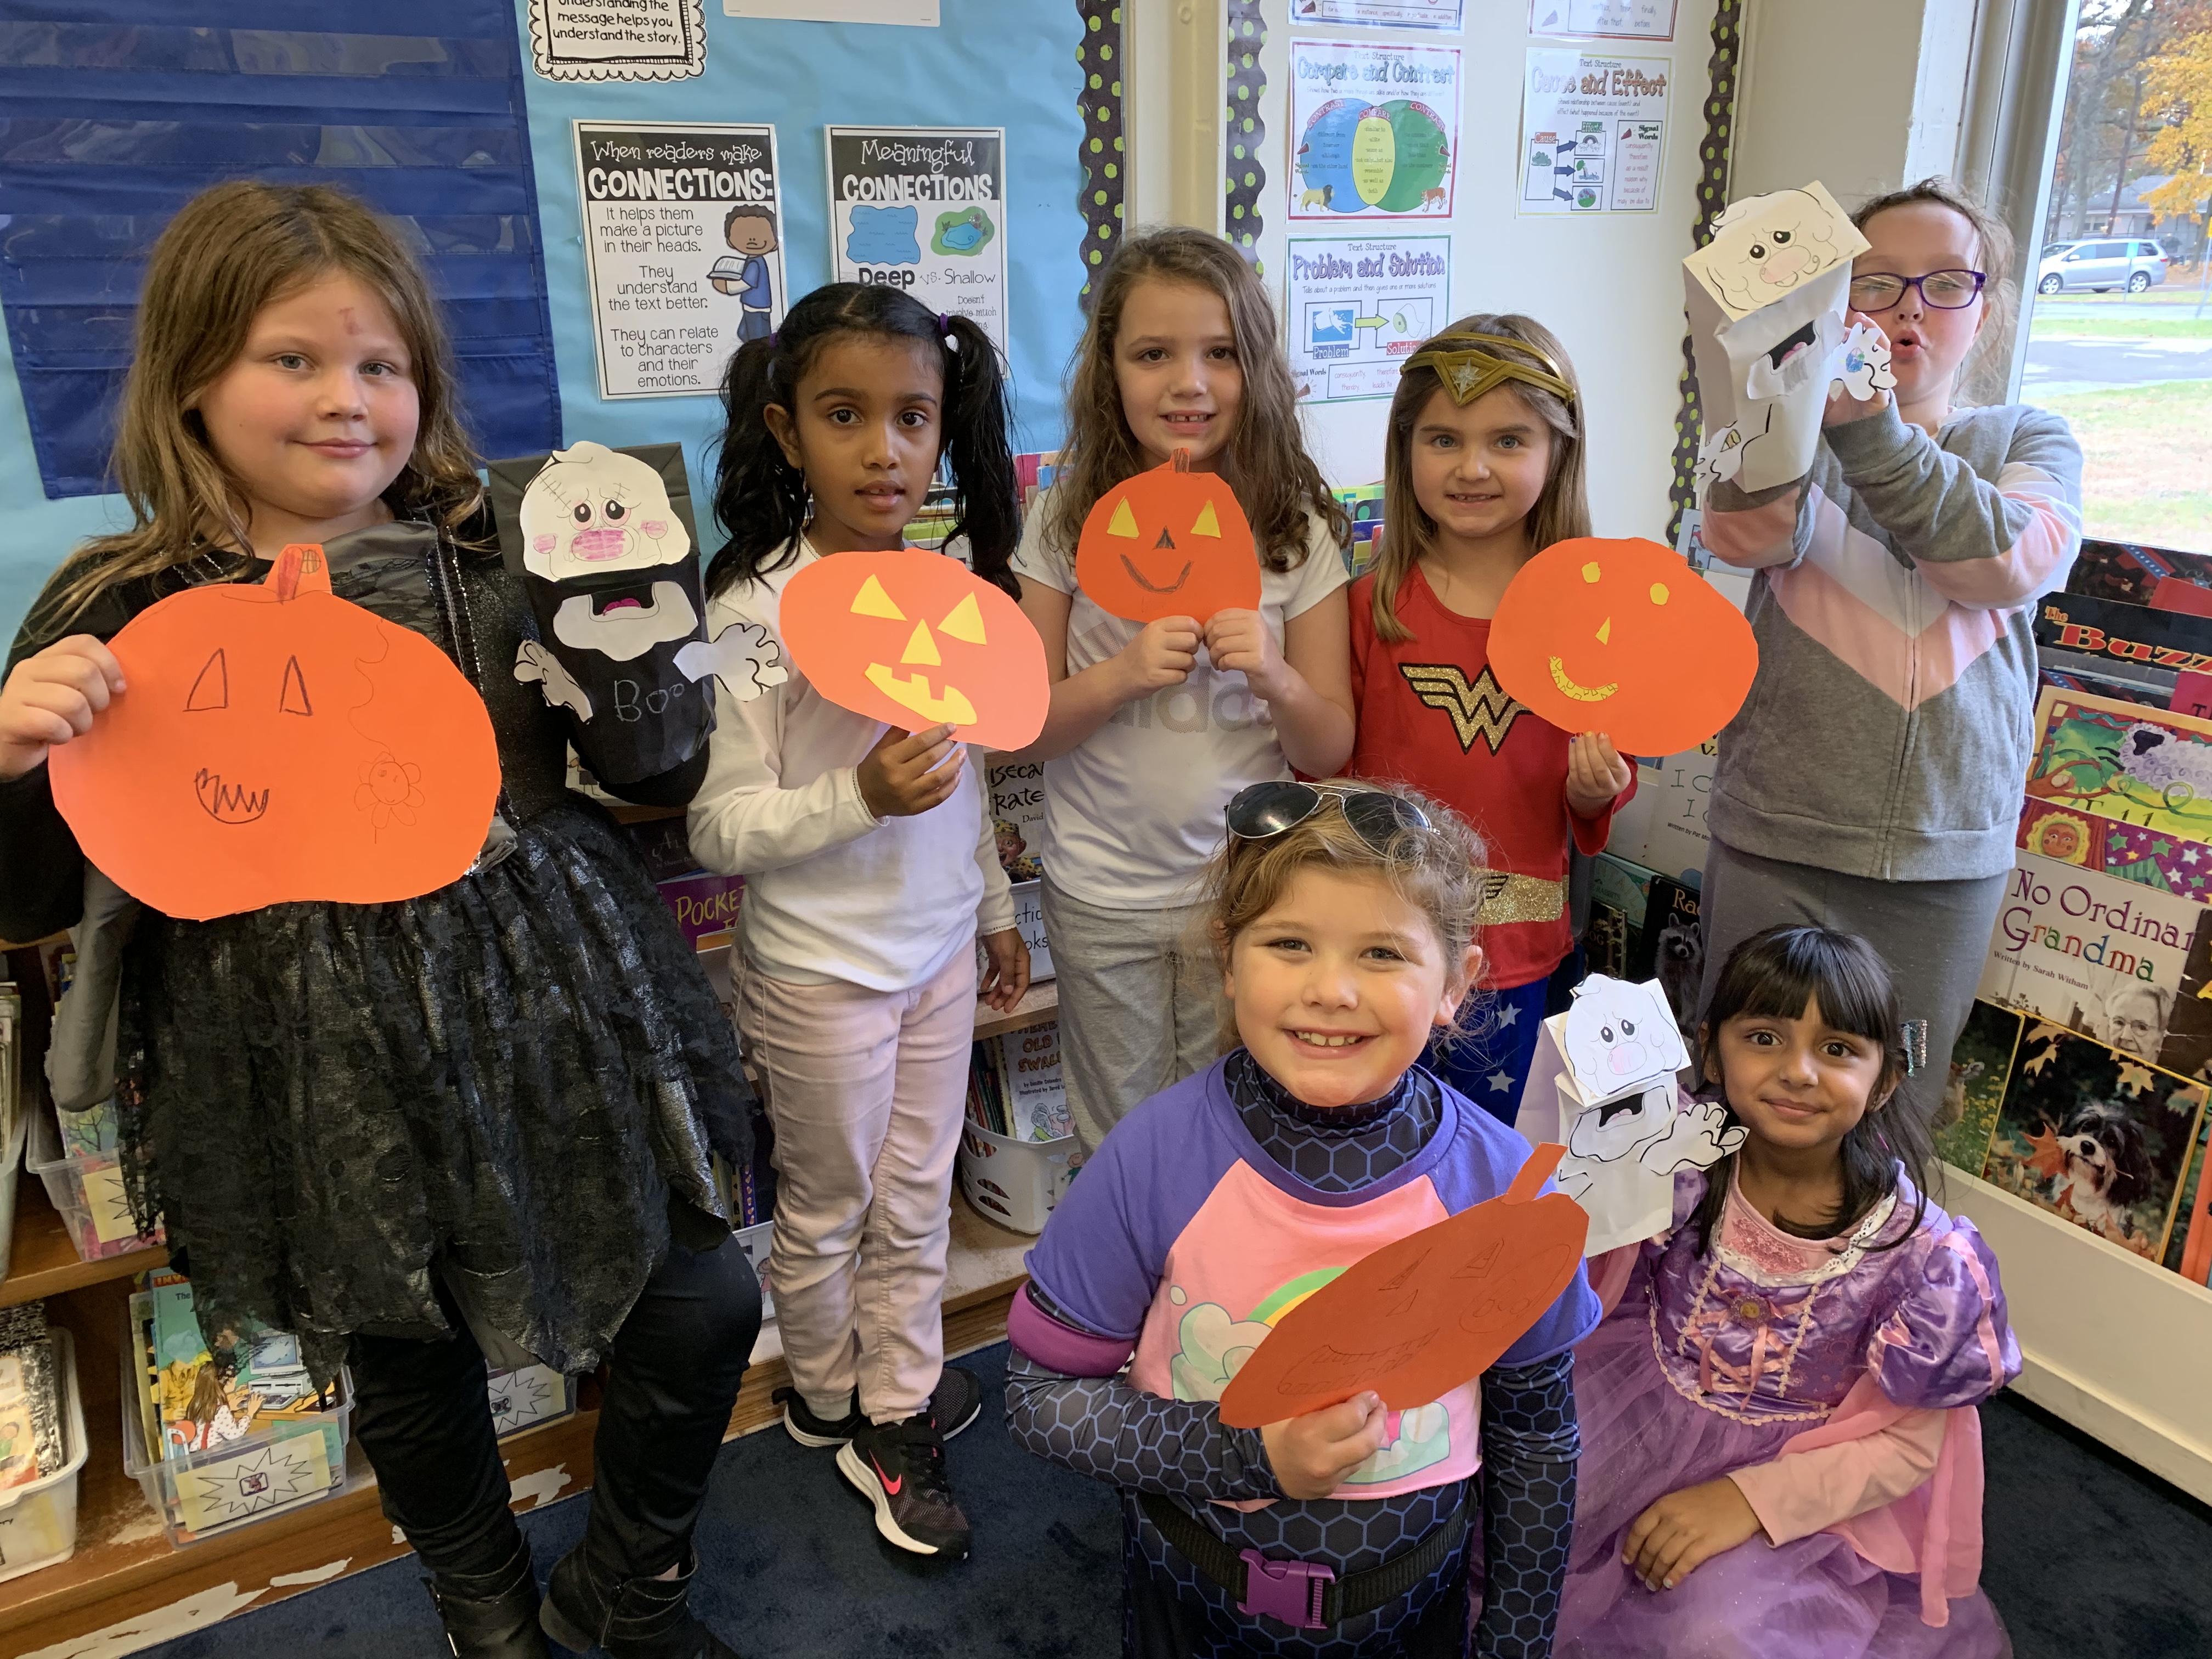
(1343,920)
(1483,469)
(1872,781)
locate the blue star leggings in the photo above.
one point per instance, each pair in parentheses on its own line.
(1488,1059)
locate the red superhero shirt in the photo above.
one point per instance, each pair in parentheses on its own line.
(1432,715)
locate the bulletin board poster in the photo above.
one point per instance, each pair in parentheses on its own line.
(924,209)
(1379,14)
(617,40)
(1617,20)
(1374,131)
(1359,306)
(683,241)
(1593,133)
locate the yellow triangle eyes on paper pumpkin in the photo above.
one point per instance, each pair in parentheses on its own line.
(1124,522)
(872,601)
(1605,632)
(964,622)
(920,647)
(1207,525)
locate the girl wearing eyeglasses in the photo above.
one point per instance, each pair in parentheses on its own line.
(1873,781)
(1343,921)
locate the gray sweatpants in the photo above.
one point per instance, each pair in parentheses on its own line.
(1140,1006)
(1933,934)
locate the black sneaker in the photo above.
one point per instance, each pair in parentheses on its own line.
(956,1401)
(900,1468)
(808,1429)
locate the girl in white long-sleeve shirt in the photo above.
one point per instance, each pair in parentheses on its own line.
(871,870)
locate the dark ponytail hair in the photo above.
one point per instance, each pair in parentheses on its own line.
(761,499)
(1772,975)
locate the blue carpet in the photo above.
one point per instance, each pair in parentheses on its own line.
(2089,1558)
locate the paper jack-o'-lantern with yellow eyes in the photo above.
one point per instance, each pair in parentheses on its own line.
(1622,637)
(916,639)
(1169,542)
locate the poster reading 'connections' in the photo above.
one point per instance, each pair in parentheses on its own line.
(683,238)
(1358,306)
(1593,131)
(1374,131)
(924,209)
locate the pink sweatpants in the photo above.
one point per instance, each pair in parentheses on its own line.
(865,1089)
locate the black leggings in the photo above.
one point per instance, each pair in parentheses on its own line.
(423,1416)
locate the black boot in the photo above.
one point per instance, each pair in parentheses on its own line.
(491,1615)
(630,1618)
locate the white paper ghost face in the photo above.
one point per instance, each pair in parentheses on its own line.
(1619,1034)
(592,509)
(1766,246)
(1602,1133)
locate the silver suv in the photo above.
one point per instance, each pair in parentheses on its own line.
(2132,263)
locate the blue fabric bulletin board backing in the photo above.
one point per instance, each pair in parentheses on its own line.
(119,111)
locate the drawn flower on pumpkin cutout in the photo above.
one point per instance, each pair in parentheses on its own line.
(388,792)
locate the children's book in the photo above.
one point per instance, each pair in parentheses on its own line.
(1981,1066)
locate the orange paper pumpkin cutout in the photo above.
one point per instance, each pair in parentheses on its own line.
(1622,637)
(1169,542)
(274,743)
(1416,1319)
(917,638)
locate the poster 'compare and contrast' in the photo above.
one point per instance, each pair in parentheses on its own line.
(1374,131)
(1380,14)
(924,209)
(1359,306)
(683,238)
(1593,131)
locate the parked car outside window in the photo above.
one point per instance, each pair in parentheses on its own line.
(2101,266)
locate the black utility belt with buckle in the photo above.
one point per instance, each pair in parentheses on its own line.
(1303,1594)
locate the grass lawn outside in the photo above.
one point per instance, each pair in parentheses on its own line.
(2147,456)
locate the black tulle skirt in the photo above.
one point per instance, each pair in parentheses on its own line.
(502,1085)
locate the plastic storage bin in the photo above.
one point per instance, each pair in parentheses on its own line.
(1015,1183)
(88,1191)
(528,1397)
(38,1522)
(294,1463)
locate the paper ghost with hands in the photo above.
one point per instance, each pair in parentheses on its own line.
(1603,1082)
(1621,636)
(1169,542)
(915,639)
(603,542)
(278,744)
(1766,300)
(1422,1316)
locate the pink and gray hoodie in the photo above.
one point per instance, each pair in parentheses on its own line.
(1887,735)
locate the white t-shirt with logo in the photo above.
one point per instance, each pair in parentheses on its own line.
(1132,812)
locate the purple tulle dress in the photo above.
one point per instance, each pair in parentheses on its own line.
(1712,1363)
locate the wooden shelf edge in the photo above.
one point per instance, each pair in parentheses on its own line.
(1038,1004)
(41,1261)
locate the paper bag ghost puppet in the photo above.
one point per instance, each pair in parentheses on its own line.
(603,542)
(1767,300)
(1603,1084)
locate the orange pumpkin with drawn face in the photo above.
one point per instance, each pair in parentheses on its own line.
(915,639)
(278,744)
(1622,637)
(1419,1317)
(1169,542)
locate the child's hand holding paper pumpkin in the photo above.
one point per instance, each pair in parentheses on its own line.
(1311,1455)
(1240,641)
(1161,655)
(52,697)
(1596,774)
(906,773)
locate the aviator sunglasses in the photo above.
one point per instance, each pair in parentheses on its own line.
(1376,816)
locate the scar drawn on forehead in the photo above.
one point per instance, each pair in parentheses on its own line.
(351,325)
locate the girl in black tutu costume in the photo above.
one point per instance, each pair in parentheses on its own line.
(412,1132)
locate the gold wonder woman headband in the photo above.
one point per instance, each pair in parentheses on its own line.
(1468,371)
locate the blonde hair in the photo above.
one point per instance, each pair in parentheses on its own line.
(1562,511)
(233,249)
(1276,482)
(1439,871)
(1993,252)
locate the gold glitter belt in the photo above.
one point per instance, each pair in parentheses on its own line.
(1520,898)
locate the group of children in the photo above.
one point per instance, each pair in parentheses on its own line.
(480,1120)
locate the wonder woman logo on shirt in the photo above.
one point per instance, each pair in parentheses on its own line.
(1480,710)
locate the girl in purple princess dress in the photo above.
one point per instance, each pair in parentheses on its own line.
(1780,1449)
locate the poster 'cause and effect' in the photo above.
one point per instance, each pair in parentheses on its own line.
(1359,306)
(1593,133)
(924,210)
(1374,131)
(684,239)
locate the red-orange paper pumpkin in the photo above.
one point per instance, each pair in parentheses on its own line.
(1169,542)
(1414,1319)
(1623,637)
(274,743)
(917,638)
